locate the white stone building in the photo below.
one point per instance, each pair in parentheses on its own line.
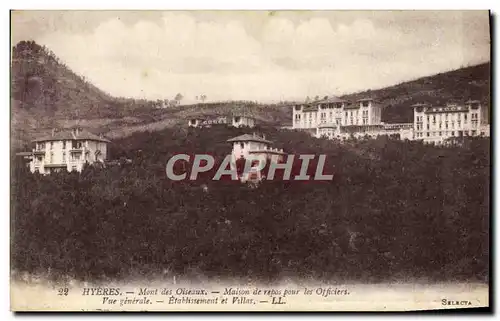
(434,124)
(234,121)
(67,150)
(257,146)
(337,118)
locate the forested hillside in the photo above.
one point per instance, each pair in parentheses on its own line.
(458,85)
(395,211)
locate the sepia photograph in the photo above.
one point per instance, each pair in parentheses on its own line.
(250,160)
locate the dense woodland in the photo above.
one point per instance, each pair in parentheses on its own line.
(394,211)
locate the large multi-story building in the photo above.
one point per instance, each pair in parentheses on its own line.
(337,118)
(434,124)
(67,150)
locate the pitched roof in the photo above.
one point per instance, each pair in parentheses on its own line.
(70,135)
(249,138)
(332,99)
(310,107)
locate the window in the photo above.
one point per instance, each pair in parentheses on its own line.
(434,119)
(242,145)
(64,157)
(237,119)
(428,134)
(51,157)
(364,104)
(51,145)
(64,144)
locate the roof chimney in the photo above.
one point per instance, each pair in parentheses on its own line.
(53,132)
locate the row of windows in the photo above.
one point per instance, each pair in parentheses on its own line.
(446,125)
(73,158)
(446,117)
(338,121)
(446,133)
(75,144)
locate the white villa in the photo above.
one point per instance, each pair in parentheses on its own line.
(67,150)
(234,121)
(255,145)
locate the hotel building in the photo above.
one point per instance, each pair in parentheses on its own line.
(434,124)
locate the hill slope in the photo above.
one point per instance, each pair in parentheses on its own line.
(45,93)
(461,84)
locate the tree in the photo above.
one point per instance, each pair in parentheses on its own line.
(203,98)
(178,98)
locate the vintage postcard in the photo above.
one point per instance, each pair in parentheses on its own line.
(250,160)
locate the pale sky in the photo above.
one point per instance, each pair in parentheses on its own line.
(255,55)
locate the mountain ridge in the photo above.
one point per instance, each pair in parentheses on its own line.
(45,93)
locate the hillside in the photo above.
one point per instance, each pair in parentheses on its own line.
(361,226)
(45,93)
(461,84)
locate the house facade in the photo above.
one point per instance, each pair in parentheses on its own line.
(253,145)
(245,145)
(67,150)
(234,121)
